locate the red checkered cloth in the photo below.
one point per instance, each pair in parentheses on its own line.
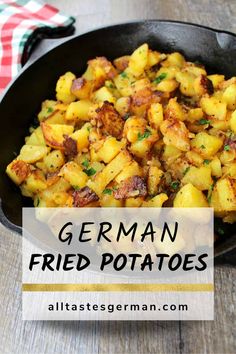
(22,23)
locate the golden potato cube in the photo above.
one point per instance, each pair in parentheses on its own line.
(229,96)
(216,80)
(166,73)
(63,88)
(190,197)
(110,148)
(200,177)
(155,115)
(153,58)
(226,193)
(110,171)
(214,107)
(78,110)
(227,157)
(54,161)
(171,153)
(121,63)
(107,200)
(194,158)
(232,122)
(32,153)
(174,110)
(168,85)
(73,174)
(176,59)
(133,169)
(194,114)
(82,137)
(35,182)
(123,82)
(206,144)
(54,133)
(133,202)
(102,95)
(81,88)
(215,166)
(134,126)
(154,178)
(57,117)
(140,148)
(176,134)
(156,202)
(36,138)
(18,171)
(186,81)
(138,60)
(47,108)
(230,170)
(122,105)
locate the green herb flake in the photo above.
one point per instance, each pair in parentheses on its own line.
(204,121)
(210,192)
(161,77)
(202,147)
(90,171)
(126,116)
(37,201)
(77,188)
(186,170)
(123,75)
(107,191)
(175,185)
(226,147)
(85,163)
(206,162)
(145,135)
(49,110)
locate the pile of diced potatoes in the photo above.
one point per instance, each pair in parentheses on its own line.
(148,114)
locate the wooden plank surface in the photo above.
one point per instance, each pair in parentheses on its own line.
(216,337)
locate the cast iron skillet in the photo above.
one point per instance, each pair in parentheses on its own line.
(216,49)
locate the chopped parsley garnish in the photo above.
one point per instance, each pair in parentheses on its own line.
(107,191)
(161,77)
(210,192)
(202,147)
(37,202)
(90,171)
(226,147)
(123,75)
(126,116)
(204,121)
(85,163)
(111,86)
(145,135)
(175,185)
(206,162)
(77,188)
(186,170)
(49,110)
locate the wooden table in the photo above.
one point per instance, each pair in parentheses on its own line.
(216,337)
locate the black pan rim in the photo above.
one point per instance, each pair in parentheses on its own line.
(3,219)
